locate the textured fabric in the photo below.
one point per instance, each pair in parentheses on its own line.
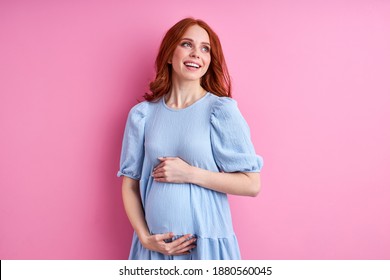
(210,134)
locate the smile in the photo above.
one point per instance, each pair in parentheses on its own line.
(192,64)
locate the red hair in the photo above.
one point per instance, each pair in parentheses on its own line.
(216,80)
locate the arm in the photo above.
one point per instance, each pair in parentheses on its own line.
(133,207)
(135,213)
(175,170)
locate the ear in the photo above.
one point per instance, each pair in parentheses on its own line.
(170,60)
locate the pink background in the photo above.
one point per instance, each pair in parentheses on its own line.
(310,77)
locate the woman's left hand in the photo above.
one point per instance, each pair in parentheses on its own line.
(172,170)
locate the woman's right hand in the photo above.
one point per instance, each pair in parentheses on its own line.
(180,246)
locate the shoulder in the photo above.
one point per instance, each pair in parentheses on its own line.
(223,107)
(138,114)
(142,109)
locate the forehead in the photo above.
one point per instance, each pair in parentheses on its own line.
(197,33)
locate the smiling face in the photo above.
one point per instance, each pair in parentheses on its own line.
(192,57)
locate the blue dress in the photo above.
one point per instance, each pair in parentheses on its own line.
(210,134)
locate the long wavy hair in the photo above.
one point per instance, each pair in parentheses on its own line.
(216,80)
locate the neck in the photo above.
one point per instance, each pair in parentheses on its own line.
(184,94)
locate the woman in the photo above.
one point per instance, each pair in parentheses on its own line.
(185,148)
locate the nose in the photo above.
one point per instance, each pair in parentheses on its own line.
(194,53)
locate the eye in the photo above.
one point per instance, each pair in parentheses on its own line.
(206,49)
(186,44)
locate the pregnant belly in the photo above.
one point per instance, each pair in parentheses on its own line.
(168,208)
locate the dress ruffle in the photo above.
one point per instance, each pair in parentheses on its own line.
(206,249)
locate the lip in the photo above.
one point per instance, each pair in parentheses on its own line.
(191,61)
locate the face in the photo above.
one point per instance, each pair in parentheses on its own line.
(191,58)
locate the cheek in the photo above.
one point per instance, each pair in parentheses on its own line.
(179,53)
(207,58)
(207,61)
(174,58)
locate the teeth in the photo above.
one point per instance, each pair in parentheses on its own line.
(192,64)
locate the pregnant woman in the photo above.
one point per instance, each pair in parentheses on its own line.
(184,149)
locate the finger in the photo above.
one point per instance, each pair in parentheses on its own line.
(181,246)
(188,245)
(185,247)
(158,174)
(184,251)
(161,167)
(158,166)
(183,241)
(164,236)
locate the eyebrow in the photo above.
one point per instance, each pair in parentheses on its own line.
(189,39)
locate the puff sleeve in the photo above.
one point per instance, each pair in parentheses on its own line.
(132,154)
(230,138)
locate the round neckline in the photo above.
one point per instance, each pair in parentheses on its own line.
(186,108)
